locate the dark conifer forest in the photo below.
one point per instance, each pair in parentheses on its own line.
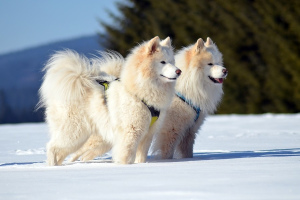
(259,39)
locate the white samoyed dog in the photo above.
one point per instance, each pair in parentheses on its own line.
(77,106)
(198,93)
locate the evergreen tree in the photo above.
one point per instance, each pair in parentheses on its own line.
(259,39)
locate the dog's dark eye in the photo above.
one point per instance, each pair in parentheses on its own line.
(163,62)
(210,64)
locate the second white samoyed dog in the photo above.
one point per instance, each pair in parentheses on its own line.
(77,106)
(198,93)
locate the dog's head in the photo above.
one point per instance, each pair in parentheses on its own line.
(149,72)
(161,56)
(154,60)
(206,58)
(166,67)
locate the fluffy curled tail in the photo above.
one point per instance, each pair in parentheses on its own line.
(68,77)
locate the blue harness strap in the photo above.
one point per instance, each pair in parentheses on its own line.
(190,103)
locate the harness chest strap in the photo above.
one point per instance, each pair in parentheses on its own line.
(189,102)
(105,84)
(154,113)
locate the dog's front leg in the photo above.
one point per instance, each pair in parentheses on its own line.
(186,145)
(144,145)
(124,151)
(143,148)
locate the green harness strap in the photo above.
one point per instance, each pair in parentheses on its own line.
(154,113)
(105,84)
(153,120)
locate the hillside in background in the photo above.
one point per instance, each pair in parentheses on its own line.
(21,75)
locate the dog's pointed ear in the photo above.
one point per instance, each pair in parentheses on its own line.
(199,45)
(209,42)
(166,42)
(153,45)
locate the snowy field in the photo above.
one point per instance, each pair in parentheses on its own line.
(242,157)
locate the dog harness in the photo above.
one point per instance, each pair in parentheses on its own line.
(190,103)
(154,113)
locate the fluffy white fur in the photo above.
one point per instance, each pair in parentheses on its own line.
(77,106)
(96,146)
(201,83)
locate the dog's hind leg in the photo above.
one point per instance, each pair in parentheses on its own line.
(51,155)
(75,156)
(55,154)
(63,144)
(61,156)
(95,146)
(90,144)
(97,151)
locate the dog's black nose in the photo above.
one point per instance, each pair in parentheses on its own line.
(178,72)
(225,71)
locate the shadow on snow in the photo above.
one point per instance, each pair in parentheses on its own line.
(248,154)
(20,163)
(236,154)
(196,156)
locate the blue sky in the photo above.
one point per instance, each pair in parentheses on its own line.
(29,23)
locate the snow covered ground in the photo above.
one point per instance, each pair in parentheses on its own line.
(235,157)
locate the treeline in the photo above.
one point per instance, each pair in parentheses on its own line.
(259,39)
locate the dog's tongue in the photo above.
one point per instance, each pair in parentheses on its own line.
(220,80)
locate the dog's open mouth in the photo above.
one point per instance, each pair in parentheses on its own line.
(216,80)
(172,79)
